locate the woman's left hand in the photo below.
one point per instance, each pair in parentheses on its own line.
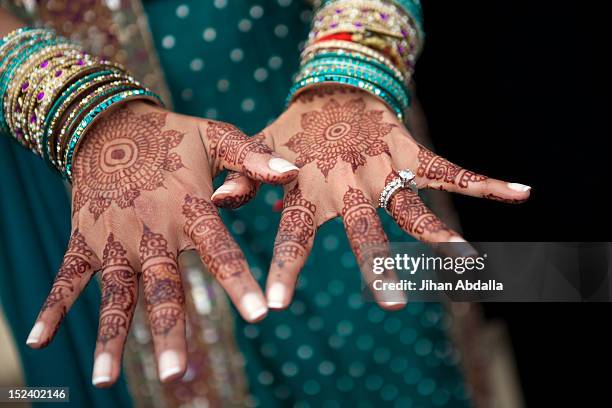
(349,145)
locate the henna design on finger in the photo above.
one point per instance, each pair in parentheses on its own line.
(229,144)
(363,227)
(75,265)
(120,159)
(411,214)
(119,283)
(346,132)
(495,197)
(436,168)
(236,201)
(216,246)
(296,228)
(163,289)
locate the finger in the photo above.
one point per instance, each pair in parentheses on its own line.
(165,300)
(436,172)
(293,244)
(233,150)
(119,295)
(236,191)
(75,272)
(368,241)
(223,257)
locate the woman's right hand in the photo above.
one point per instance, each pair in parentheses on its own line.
(142,185)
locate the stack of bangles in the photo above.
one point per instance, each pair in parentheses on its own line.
(368,44)
(52,92)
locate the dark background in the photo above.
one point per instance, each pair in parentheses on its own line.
(515,90)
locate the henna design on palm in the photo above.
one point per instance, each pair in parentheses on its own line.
(163,289)
(219,251)
(436,168)
(119,283)
(296,229)
(75,265)
(120,159)
(347,132)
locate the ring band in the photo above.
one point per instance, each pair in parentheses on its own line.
(405,180)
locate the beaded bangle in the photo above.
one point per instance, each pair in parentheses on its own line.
(49,89)
(51,92)
(67,95)
(80,110)
(23,90)
(382,80)
(349,56)
(95,113)
(7,74)
(340,46)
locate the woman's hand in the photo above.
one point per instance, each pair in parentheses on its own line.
(349,145)
(142,184)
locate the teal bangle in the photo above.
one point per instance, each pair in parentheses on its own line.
(94,113)
(56,105)
(350,81)
(13,34)
(360,71)
(347,55)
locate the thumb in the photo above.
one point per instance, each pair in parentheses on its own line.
(250,156)
(236,191)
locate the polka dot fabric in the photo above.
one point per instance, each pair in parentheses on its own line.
(233,60)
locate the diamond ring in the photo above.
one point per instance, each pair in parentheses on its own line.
(405,180)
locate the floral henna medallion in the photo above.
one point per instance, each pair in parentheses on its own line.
(345,132)
(296,229)
(75,265)
(163,289)
(436,168)
(121,159)
(219,252)
(119,283)
(411,214)
(363,227)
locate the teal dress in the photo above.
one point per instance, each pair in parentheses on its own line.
(232,60)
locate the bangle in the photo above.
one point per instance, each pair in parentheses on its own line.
(51,91)
(95,113)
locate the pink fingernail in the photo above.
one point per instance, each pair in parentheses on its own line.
(281,165)
(253,306)
(224,189)
(169,364)
(276,295)
(518,187)
(102,369)
(35,333)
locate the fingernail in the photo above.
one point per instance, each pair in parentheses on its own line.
(224,189)
(281,165)
(457,239)
(253,306)
(102,369)
(276,295)
(168,364)
(35,333)
(518,187)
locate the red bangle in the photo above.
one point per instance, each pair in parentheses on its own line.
(336,36)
